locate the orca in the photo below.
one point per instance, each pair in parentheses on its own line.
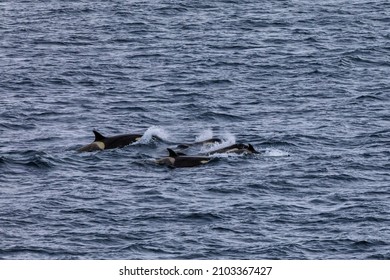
(204,142)
(104,143)
(179,160)
(236,149)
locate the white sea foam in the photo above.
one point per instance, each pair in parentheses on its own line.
(227,140)
(275,153)
(154,131)
(204,135)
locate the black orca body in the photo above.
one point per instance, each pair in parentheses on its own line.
(204,142)
(236,149)
(177,160)
(104,143)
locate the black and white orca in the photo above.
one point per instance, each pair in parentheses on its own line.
(104,143)
(210,141)
(180,160)
(236,149)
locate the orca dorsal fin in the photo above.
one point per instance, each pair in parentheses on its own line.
(98,136)
(172,153)
(252,149)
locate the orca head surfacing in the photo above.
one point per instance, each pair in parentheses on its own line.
(236,149)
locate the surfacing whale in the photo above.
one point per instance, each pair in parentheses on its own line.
(236,149)
(178,160)
(204,142)
(104,143)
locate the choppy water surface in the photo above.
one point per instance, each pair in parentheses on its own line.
(305,82)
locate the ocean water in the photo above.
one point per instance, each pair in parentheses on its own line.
(305,82)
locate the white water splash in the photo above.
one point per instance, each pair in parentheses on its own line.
(204,135)
(275,153)
(153,131)
(227,140)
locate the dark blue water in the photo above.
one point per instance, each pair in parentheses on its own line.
(306,82)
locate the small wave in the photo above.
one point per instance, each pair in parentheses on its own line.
(15,126)
(171,10)
(379,256)
(381,133)
(3,160)
(212,115)
(211,82)
(368,97)
(30,159)
(201,217)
